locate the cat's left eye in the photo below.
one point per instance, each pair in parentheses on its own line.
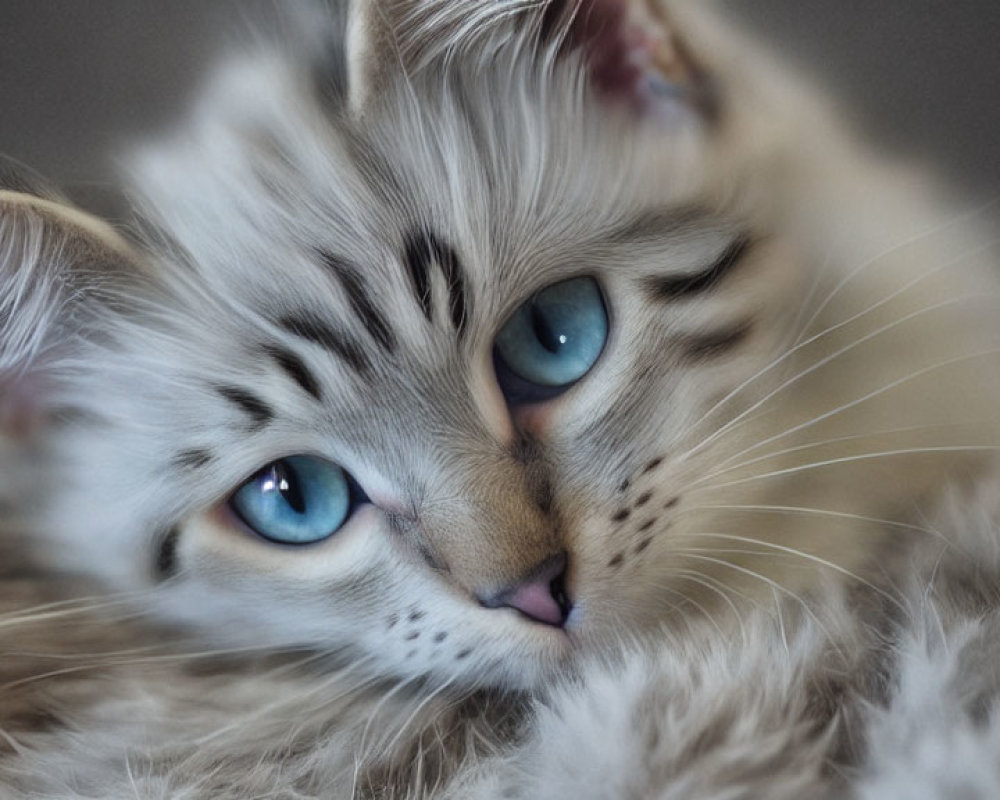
(297,500)
(551,341)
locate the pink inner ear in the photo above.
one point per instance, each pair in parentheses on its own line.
(632,56)
(599,26)
(20,406)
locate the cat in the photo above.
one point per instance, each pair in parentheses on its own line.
(485,374)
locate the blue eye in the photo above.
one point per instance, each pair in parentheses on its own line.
(298,500)
(551,341)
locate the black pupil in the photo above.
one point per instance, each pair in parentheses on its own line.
(543,330)
(285,481)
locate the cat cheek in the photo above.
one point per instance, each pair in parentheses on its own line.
(490,400)
(218,537)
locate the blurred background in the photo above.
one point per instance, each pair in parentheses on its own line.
(79,81)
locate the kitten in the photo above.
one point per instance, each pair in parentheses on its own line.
(475,344)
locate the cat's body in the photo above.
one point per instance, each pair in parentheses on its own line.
(735,495)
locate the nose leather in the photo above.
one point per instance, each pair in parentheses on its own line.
(536,600)
(541,597)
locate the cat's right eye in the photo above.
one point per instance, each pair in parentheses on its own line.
(551,341)
(297,500)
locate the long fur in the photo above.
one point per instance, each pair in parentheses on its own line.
(776,489)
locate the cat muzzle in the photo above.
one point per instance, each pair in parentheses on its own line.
(541,597)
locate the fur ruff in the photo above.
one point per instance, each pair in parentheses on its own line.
(848,693)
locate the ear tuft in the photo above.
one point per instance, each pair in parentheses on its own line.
(59,271)
(18,178)
(363,35)
(635,57)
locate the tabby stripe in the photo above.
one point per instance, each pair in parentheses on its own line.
(166,554)
(417,257)
(699,347)
(295,368)
(658,224)
(259,412)
(421,250)
(674,286)
(309,327)
(457,301)
(359,300)
(195,458)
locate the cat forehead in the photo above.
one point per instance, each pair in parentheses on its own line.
(362,261)
(502,165)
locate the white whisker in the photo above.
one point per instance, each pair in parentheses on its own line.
(818,365)
(894,249)
(266,709)
(811,557)
(769,582)
(858,401)
(859,457)
(817,281)
(363,741)
(891,523)
(800,448)
(781,621)
(800,345)
(413,714)
(692,602)
(75,606)
(103,661)
(716,586)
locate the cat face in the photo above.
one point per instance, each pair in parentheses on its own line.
(487,337)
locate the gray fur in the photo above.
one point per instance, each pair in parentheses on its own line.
(782,578)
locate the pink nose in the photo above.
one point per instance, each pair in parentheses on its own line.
(536,600)
(542,597)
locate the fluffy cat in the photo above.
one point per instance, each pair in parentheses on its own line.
(506,399)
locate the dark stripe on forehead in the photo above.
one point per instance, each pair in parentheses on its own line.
(417,257)
(457,300)
(658,224)
(423,248)
(260,413)
(295,368)
(194,458)
(359,300)
(308,326)
(166,554)
(702,346)
(672,287)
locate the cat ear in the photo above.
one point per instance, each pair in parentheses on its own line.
(367,34)
(633,52)
(60,275)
